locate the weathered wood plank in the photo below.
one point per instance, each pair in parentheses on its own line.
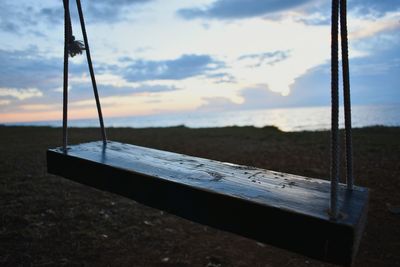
(282,209)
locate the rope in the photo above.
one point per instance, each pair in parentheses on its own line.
(335,153)
(72,48)
(92,76)
(334,109)
(75,47)
(67,35)
(346,94)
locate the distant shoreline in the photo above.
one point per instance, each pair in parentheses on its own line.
(288,120)
(272,128)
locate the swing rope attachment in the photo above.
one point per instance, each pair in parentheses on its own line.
(75,47)
(72,48)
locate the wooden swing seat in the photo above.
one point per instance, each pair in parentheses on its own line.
(280,209)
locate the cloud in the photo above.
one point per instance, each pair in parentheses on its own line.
(320,13)
(267,58)
(23,17)
(257,97)
(30,79)
(372,28)
(181,68)
(20,94)
(82,91)
(27,77)
(52,15)
(313,88)
(29,68)
(373,8)
(111,11)
(238,9)
(24,68)
(85,97)
(35,107)
(221,77)
(315,18)
(217,104)
(4,102)
(8,26)
(14,17)
(375,79)
(99,11)
(260,97)
(366,76)
(310,12)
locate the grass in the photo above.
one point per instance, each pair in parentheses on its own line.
(46,220)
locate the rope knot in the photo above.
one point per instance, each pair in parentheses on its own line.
(75,47)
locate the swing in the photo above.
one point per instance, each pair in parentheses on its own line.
(317,218)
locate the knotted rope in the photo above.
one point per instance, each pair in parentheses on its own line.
(72,48)
(75,47)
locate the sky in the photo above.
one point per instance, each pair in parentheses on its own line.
(174,56)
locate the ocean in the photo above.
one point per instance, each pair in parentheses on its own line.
(286,119)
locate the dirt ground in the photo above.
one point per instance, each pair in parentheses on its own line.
(46,220)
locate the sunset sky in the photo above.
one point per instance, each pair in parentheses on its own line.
(169,56)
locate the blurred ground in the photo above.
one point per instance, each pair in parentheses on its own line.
(46,220)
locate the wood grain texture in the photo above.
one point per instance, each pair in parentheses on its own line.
(285,210)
